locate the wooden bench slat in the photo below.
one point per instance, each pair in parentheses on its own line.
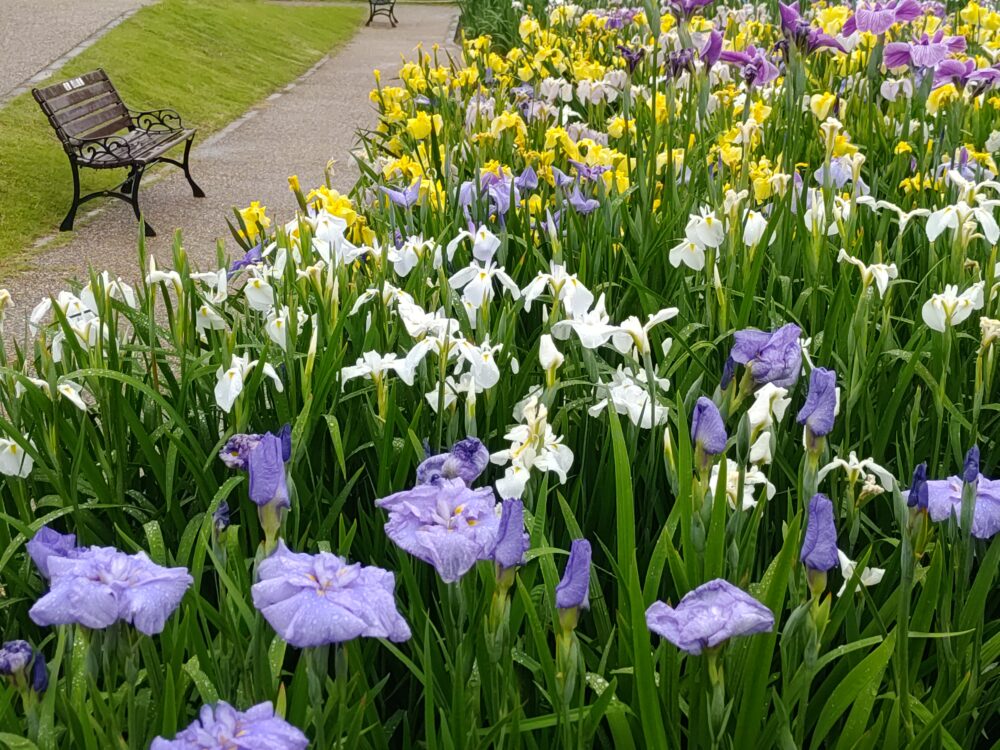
(75,112)
(58,97)
(97,124)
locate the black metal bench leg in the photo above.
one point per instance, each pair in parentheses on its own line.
(67,223)
(195,190)
(134,179)
(392,15)
(371,15)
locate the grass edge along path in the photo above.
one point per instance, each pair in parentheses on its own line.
(211,60)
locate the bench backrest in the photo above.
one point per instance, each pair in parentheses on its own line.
(84,107)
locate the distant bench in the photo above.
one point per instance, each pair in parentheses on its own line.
(382,8)
(98,131)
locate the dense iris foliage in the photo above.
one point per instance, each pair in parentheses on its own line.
(641,394)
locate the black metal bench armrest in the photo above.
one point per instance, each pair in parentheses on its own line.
(157,120)
(111,149)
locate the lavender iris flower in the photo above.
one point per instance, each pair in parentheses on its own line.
(573,591)
(24,665)
(445,524)
(581,204)
(877,18)
(47,544)
(926,52)
(799,31)
(527,180)
(404,198)
(944,498)
(101,585)
(820,409)
(266,466)
(220,518)
(680,61)
(222,727)
(772,357)
(562,179)
(918,495)
(512,540)
(466,460)
(313,600)
(709,616)
(587,172)
(254,256)
(819,547)
(756,68)
(708,431)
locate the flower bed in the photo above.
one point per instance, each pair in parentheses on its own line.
(640,395)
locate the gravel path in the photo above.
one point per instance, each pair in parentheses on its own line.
(36,33)
(296,131)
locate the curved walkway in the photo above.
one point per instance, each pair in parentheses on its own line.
(296,131)
(38,33)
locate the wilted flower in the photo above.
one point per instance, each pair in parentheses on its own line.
(856,469)
(709,616)
(573,591)
(313,600)
(24,665)
(466,460)
(236,452)
(445,524)
(100,585)
(774,357)
(880,273)
(222,727)
(819,547)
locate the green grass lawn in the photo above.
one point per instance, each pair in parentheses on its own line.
(208,59)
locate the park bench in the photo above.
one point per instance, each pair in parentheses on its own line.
(382,8)
(98,131)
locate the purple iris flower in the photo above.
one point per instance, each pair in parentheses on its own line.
(970,469)
(680,61)
(24,665)
(709,616)
(774,357)
(512,539)
(927,52)
(573,591)
(877,18)
(235,454)
(266,466)
(712,49)
(222,727)
(756,68)
(708,431)
(820,409)
(944,498)
(799,31)
(838,173)
(445,524)
(582,205)
(101,585)
(466,460)
(819,547)
(254,256)
(632,56)
(404,198)
(562,179)
(46,544)
(918,495)
(527,180)
(220,518)
(313,600)
(587,172)
(687,8)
